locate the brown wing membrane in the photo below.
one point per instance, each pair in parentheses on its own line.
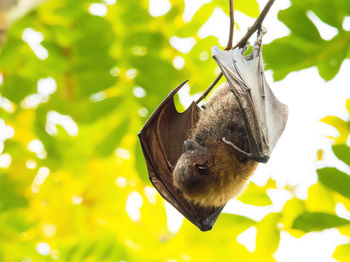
(162,140)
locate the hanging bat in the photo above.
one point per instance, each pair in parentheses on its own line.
(201,158)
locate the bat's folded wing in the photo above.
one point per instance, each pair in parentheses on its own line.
(162,140)
(264,115)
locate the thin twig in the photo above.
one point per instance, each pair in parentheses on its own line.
(232,26)
(256,25)
(228,47)
(206,92)
(241,43)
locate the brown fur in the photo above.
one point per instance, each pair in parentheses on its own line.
(227,173)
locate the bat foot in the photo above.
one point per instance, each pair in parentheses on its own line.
(258,42)
(263,30)
(246,46)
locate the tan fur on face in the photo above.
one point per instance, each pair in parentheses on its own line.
(231,180)
(229,177)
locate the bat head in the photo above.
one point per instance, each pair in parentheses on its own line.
(193,170)
(211,175)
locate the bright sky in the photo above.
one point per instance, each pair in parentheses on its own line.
(293,161)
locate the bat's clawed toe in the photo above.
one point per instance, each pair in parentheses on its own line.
(245,48)
(258,42)
(257,45)
(263,30)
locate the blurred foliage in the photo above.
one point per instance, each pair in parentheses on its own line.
(305,46)
(75,90)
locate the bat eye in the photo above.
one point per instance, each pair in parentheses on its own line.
(202,170)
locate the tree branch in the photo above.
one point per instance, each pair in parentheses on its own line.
(228,47)
(256,25)
(206,92)
(241,43)
(232,26)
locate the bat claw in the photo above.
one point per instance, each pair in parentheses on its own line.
(256,157)
(263,30)
(234,147)
(258,42)
(246,46)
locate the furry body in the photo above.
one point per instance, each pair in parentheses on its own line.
(209,173)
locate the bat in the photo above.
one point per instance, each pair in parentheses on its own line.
(201,158)
(162,139)
(241,116)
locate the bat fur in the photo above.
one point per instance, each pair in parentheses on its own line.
(209,173)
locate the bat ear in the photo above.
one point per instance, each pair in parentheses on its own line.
(190,144)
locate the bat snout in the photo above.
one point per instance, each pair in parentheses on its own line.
(190,144)
(181,172)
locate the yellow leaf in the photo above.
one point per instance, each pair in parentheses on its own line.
(319,199)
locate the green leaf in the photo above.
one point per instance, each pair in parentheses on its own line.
(348,105)
(10,197)
(268,235)
(292,208)
(293,17)
(254,195)
(154,74)
(342,253)
(304,47)
(342,152)
(235,223)
(112,139)
(294,50)
(330,61)
(16,88)
(154,42)
(91,69)
(319,199)
(342,126)
(89,111)
(335,179)
(318,221)
(329,12)
(141,164)
(15,221)
(200,66)
(255,198)
(248,7)
(336,122)
(197,21)
(100,247)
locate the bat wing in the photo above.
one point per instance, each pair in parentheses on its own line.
(264,115)
(162,140)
